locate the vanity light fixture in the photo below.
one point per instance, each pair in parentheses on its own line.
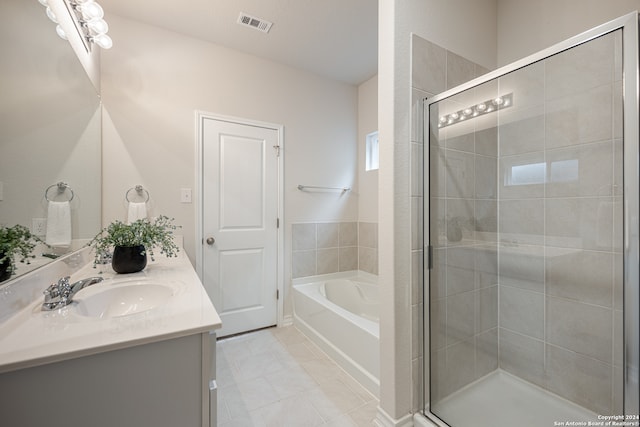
(476,110)
(88,17)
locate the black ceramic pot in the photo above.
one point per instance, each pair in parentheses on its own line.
(129,259)
(5,268)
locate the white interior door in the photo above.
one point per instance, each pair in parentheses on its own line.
(239,223)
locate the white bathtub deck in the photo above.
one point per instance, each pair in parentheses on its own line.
(352,340)
(502,400)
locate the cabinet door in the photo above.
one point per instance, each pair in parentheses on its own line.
(158,384)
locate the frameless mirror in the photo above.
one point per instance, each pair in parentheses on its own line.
(50,130)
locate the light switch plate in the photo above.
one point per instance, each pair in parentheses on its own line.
(185,195)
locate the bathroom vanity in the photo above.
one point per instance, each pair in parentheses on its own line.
(132,350)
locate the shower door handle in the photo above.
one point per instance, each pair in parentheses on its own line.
(210,241)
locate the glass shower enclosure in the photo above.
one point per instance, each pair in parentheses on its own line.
(531,301)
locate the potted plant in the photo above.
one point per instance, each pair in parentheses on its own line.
(16,241)
(132,242)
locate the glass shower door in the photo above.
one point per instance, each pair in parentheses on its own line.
(526,231)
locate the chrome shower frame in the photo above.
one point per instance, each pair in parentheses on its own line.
(631,181)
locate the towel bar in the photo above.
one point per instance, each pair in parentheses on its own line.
(62,187)
(140,190)
(313,187)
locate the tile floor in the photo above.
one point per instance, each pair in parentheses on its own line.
(278,378)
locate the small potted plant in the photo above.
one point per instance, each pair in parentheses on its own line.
(132,242)
(15,242)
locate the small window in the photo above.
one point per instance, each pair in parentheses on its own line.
(543,172)
(371,156)
(528,174)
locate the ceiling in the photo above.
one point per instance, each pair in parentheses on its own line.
(337,39)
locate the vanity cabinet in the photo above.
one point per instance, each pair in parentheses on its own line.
(169,383)
(74,367)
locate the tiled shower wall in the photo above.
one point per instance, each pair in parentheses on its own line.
(560,285)
(550,311)
(331,247)
(434,70)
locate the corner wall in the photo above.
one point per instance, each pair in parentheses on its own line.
(459,26)
(367,123)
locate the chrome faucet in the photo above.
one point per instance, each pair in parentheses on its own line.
(61,293)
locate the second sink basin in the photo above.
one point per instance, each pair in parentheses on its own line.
(123,299)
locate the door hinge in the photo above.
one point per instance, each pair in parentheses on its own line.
(277,222)
(429,257)
(277,293)
(277,147)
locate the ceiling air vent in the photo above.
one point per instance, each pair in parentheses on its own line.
(253,22)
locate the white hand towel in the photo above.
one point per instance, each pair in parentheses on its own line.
(136,211)
(58,224)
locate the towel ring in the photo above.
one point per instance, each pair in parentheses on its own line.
(61,188)
(139,189)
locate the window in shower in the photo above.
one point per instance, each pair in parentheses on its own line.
(542,172)
(525,319)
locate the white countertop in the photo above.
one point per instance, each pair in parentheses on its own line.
(33,337)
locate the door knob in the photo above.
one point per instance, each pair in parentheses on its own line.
(210,240)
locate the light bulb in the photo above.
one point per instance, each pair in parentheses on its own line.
(467,111)
(103,40)
(98,26)
(498,101)
(443,119)
(455,116)
(91,10)
(481,107)
(61,32)
(51,15)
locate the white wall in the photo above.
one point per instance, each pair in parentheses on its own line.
(526,27)
(367,123)
(467,28)
(154,80)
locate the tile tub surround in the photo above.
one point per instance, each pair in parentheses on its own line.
(277,377)
(331,247)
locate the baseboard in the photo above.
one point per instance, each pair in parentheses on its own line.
(286,320)
(383,419)
(420,421)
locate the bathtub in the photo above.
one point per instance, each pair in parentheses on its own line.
(339,312)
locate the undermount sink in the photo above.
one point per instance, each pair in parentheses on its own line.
(123,299)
